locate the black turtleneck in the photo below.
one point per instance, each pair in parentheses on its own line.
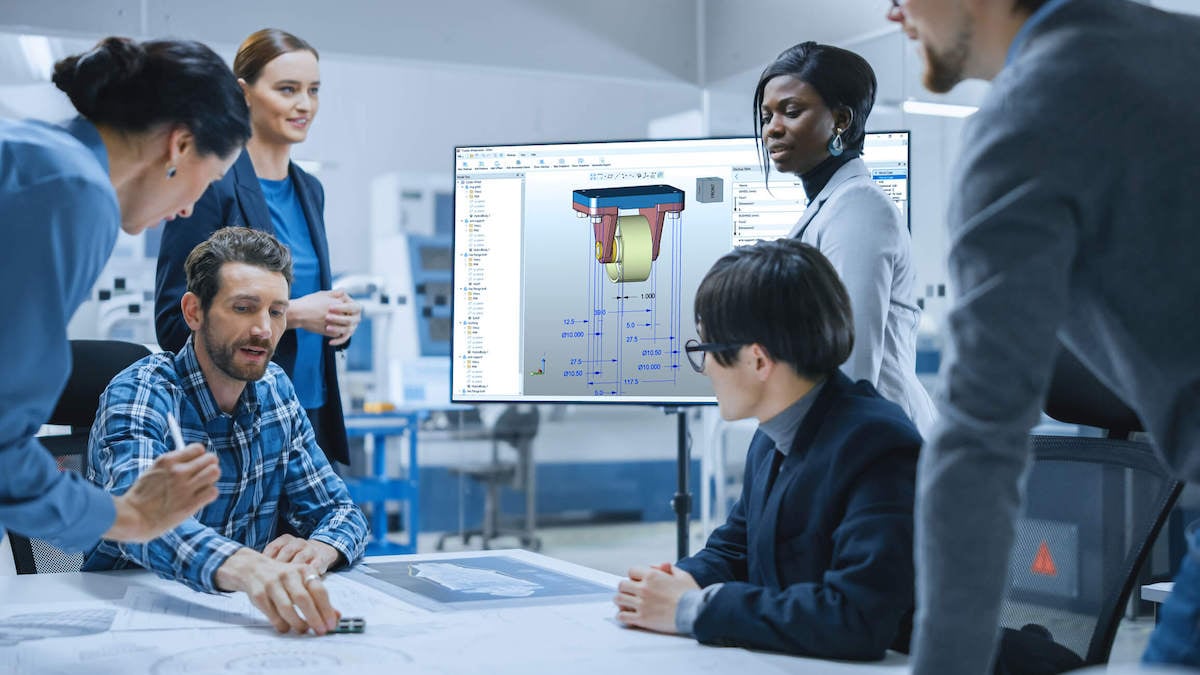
(818,177)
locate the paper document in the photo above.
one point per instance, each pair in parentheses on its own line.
(162,607)
(162,604)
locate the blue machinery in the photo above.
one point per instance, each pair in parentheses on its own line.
(432,265)
(377,489)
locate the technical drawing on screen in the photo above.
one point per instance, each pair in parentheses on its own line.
(576,264)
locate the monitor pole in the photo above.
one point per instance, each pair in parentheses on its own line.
(681,503)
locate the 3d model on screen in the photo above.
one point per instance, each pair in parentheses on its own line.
(628,244)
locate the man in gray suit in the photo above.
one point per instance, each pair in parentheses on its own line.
(1075,215)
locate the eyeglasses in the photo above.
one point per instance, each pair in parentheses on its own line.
(695,346)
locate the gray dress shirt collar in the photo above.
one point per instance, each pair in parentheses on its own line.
(782,428)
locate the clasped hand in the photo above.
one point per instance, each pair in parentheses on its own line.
(649,597)
(333,314)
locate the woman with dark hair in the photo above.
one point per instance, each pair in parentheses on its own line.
(811,107)
(816,555)
(158,121)
(266,191)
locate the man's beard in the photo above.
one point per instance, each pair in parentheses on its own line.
(943,71)
(222,356)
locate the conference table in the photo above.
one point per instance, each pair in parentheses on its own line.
(509,611)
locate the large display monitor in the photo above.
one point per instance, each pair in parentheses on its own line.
(576,264)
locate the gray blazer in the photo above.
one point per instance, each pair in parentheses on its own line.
(860,230)
(1073,218)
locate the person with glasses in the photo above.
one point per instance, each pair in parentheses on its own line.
(1072,221)
(816,555)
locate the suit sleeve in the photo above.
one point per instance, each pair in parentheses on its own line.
(1014,237)
(856,609)
(319,190)
(723,557)
(862,245)
(179,237)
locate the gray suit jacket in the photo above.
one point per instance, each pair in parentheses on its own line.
(1076,216)
(861,231)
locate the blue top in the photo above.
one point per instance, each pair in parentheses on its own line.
(266,450)
(60,223)
(291,228)
(237,201)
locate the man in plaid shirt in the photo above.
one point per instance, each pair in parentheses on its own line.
(227,395)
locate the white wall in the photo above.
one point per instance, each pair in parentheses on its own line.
(1182,6)
(746,34)
(379,117)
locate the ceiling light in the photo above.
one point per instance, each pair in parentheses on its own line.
(938,109)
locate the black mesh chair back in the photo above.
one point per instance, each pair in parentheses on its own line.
(1092,509)
(93,365)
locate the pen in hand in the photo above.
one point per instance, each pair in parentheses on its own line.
(176,434)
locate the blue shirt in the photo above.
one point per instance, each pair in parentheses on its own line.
(266,450)
(60,219)
(1038,17)
(291,228)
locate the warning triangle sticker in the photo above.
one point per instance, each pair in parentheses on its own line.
(1043,563)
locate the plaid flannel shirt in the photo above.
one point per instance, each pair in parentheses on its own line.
(267,452)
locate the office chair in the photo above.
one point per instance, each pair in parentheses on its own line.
(1093,507)
(516,428)
(93,365)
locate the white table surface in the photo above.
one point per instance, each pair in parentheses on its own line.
(1157,592)
(578,638)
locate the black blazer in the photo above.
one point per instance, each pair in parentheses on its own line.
(237,201)
(823,565)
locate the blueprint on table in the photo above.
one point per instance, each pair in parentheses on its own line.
(472,582)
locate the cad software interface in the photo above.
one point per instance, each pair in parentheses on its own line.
(576,265)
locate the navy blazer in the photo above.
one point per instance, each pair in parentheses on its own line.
(823,565)
(237,201)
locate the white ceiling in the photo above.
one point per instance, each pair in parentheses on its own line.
(672,40)
(699,42)
(748,34)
